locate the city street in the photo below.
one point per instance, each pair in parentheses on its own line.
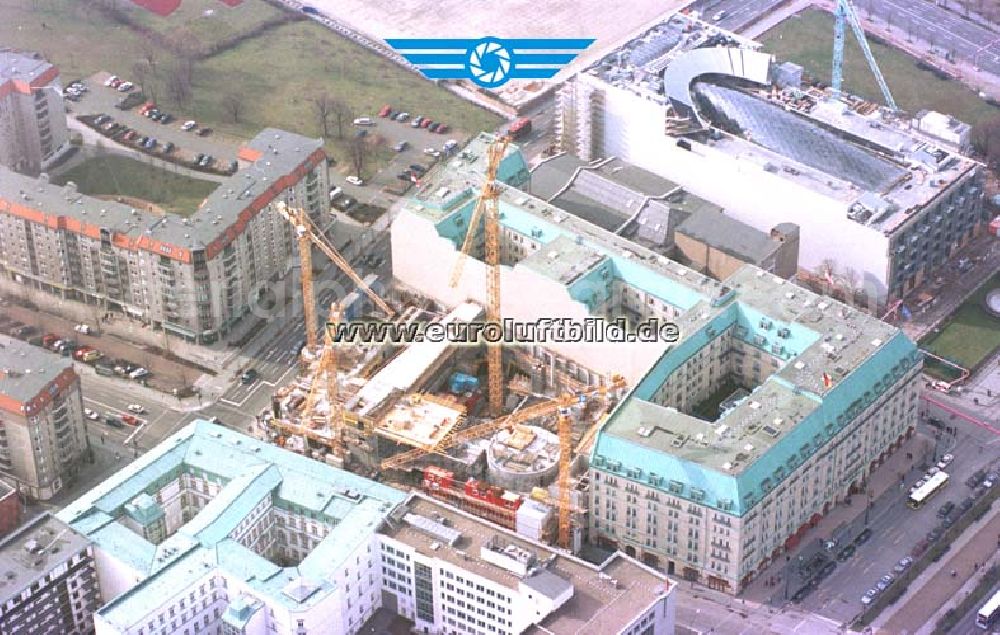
(737,14)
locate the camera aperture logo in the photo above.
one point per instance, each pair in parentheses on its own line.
(490,62)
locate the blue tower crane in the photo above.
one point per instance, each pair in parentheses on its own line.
(845,13)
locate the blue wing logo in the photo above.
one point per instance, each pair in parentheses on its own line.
(490,62)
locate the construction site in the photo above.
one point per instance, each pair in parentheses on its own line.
(478,426)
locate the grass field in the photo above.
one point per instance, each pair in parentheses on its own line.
(275,74)
(972,334)
(204,21)
(807,39)
(121,176)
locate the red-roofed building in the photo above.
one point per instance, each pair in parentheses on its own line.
(33,132)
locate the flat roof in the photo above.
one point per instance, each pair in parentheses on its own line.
(24,67)
(250,471)
(26,370)
(33,549)
(597,605)
(274,156)
(420,420)
(728,235)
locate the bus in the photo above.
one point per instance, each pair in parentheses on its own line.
(924,493)
(989,614)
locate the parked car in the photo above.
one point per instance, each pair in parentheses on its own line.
(385,110)
(150,143)
(976,478)
(948,521)
(113,421)
(138,373)
(884,583)
(934,535)
(845,553)
(432,152)
(863,537)
(402,145)
(355,180)
(364,121)
(718,16)
(111,80)
(124,87)
(966,505)
(419,169)
(416,122)
(947,458)
(945,509)
(101,119)
(903,564)
(434,127)
(204,132)
(403,116)
(443,128)
(191,124)
(335,191)
(198,157)
(166,118)
(35,340)
(136,408)
(232,166)
(869,596)
(91,414)
(129,419)
(168,147)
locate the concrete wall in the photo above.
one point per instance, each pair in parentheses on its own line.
(423,261)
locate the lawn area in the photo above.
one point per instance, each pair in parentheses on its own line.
(201,22)
(807,39)
(972,334)
(121,176)
(275,74)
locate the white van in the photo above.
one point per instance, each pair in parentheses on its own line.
(364,121)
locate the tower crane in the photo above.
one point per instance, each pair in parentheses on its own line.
(845,13)
(325,371)
(561,406)
(487,208)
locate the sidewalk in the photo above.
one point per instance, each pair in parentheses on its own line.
(884,481)
(935,586)
(959,596)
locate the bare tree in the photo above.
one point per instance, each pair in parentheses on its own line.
(322,105)
(361,149)
(232,106)
(142,74)
(180,80)
(341,114)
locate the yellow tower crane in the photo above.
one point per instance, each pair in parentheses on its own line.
(325,371)
(487,208)
(560,405)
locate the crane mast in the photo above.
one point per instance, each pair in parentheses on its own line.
(845,14)
(488,209)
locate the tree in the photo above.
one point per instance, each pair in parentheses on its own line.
(180,79)
(322,105)
(142,74)
(363,148)
(232,106)
(985,139)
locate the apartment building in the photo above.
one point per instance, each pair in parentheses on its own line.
(196,277)
(33,132)
(212,531)
(452,573)
(882,200)
(50,579)
(10,509)
(43,436)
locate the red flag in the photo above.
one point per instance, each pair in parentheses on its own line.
(827,381)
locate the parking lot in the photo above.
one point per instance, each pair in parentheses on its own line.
(417,140)
(166,374)
(101,99)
